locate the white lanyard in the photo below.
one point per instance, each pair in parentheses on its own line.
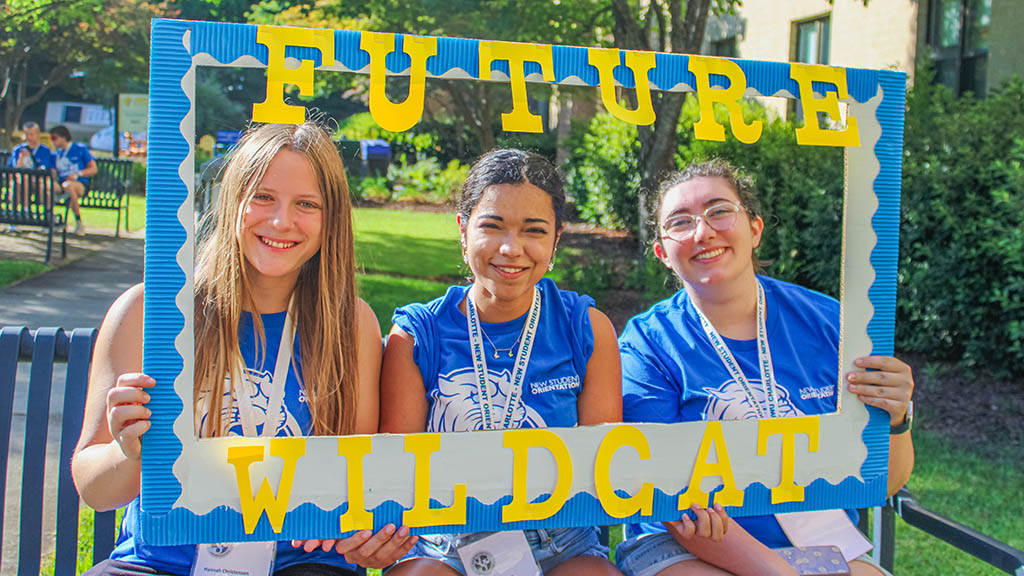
(246,409)
(476,350)
(764,354)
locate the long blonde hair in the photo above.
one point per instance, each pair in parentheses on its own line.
(325,293)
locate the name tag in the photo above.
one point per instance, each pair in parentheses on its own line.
(824,528)
(499,554)
(237,559)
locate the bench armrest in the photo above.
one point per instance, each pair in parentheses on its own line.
(1002,556)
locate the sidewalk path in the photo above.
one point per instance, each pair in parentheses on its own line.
(75,295)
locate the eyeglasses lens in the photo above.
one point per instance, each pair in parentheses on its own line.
(721,217)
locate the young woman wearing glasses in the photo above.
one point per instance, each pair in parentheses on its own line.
(676,361)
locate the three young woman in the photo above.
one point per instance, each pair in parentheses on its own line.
(510,351)
(731,345)
(279,261)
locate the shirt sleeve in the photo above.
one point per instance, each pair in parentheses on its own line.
(86,157)
(583,333)
(649,393)
(418,321)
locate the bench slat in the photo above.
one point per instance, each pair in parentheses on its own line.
(10,344)
(33,469)
(75,388)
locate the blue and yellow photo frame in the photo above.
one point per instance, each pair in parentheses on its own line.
(238,489)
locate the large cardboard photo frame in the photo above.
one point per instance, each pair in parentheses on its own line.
(238,489)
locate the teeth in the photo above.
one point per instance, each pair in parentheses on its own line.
(711,254)
(275,244)
(508,270)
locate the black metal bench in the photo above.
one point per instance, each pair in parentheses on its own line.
(45,346)
(108,189)
(27,198)
(42,348)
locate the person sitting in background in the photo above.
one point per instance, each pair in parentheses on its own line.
(31,153)
(74,165)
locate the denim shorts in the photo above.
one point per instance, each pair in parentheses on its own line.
(550,547)
(652,553)
(649,554)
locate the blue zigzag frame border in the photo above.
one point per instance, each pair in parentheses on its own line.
(170,159)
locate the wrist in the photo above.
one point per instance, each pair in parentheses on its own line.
(905,423)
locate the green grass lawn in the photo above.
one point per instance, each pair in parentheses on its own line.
(107,219)
(409,244)
(12,271)
(406,253)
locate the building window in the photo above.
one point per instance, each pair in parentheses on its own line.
(726,47)
(811,40)
(810,43)
(958,37)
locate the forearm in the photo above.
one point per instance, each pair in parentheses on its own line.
(104,477)
(739,553)
(901,461)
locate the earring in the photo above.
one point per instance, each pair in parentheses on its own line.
(465,257)
(551,264)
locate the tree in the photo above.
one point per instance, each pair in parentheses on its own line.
(471,106)
(45,42)
(663,26)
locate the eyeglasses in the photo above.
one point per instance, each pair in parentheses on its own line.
(721,217)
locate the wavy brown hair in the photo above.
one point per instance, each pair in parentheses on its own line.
(325,300)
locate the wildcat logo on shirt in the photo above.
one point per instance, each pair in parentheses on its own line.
(730,402)
(456,403)
(256,384)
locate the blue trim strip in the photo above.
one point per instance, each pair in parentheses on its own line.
(165,237)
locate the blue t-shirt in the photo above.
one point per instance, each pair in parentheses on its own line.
(671,373)
(72,159)
(554,376)
(294,419)
(43,158)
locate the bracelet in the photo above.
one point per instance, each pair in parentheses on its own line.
(908,421)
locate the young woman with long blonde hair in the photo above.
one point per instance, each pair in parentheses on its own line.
(277,260)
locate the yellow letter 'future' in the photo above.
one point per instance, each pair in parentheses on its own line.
(615,506)
(404,115)
(812,134)
(287,449)
(354,449)
(728,495)
(605,60)
(708,128)
(788,490)
(276,38)
(520,441)
(421,514)
(519,119)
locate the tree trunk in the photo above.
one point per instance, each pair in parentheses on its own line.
(658,142)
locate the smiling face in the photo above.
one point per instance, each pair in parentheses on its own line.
(712,258)
(510,238)
(281,224)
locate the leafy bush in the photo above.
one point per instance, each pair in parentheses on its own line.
(426,181)
(603,175)
(961,287)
